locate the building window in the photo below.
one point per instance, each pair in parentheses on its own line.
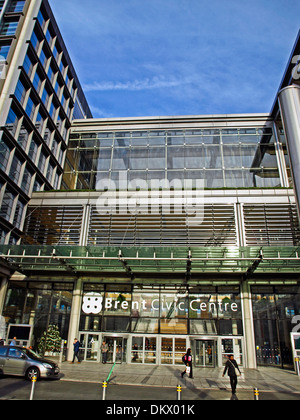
(4,50)
(42,162)
(19,214)
(41,305)
(32,153)
(37,81)
(3,234)
(20,92)
(26,182)
(9,28)
(30,108)
(46,96)
(273,311)
(41,19)
(206,310)
(16,6)
(15,169)
(43,59)
(7,205)
(36,41)
(50,35)
(28,65)
(23,136)
(12,122)
(51,73)
(5,151)
(40,122)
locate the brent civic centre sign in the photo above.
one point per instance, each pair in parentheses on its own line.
(94,303)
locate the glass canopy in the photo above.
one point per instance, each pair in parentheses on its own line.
(150,260)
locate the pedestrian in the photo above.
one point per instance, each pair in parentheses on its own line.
(104,350)
(76,345)
(188,361)
(1,342)
(13,342)
(233,372)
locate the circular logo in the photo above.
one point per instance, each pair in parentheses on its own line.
(92,303)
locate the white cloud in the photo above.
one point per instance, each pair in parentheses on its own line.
(136,85)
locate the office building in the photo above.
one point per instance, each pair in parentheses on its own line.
(167,233)
(40,95)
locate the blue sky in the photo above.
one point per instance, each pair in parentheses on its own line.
(178,57)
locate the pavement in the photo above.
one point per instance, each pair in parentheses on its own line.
(266,379)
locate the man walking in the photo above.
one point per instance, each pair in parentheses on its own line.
(76,345)
(104,350)
(233,370)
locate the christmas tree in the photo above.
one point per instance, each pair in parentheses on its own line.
(51,340)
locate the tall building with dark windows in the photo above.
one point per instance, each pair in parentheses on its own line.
(40,95)
(152,234)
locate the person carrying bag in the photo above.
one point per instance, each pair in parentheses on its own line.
(187,360)
(233,372)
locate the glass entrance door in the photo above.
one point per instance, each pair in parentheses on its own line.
(232,346)
(205,353)
(117,349)
(90,347)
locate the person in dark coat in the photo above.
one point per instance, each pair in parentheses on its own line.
(76,345)
(187,358)
(231,365)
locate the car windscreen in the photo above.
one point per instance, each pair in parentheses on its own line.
(31,354)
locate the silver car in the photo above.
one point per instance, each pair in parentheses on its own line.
(20,361)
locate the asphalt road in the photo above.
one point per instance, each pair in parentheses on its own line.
(12,388)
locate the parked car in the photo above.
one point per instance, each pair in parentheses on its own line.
(20,361)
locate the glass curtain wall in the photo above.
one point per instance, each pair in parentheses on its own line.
(45,306)
(228,158)
(161,310)
(273,311)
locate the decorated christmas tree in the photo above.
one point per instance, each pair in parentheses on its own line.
(51,340)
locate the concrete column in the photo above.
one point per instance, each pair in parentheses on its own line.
(75,317)
(248,326)
(289,103)
(3,290)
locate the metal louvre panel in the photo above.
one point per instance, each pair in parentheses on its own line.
(53,225)
(272,225)
(216,229)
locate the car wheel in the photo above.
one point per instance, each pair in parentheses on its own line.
(31,372)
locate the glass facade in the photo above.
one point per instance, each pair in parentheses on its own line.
(40,305)
(161,310)
(40,105)
(227,158)
(273,310)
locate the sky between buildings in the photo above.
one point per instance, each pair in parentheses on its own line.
(178,57)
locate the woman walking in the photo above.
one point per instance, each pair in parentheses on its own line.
(188,361)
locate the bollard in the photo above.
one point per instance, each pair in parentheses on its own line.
(297,365)
(33,382)
(256,394)
(104,385)
(179,390)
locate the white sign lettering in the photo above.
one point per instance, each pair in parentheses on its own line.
(93,304)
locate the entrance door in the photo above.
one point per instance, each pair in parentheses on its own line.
(172,350)
(232,346)
(90,347)
(117,349)
(206,353)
